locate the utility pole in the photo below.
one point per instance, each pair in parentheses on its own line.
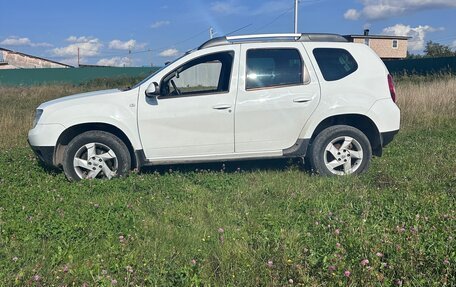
(78,57)
(211,33)
(296,16)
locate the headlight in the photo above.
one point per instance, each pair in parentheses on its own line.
(38,114)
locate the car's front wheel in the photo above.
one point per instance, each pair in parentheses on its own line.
(96,154)
(340,150)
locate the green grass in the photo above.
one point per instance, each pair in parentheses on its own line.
(161,227)
(146,229)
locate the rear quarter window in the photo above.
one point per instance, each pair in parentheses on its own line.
(335,63)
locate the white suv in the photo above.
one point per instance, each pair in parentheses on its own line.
(313,96)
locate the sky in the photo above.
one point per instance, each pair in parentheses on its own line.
(145,33)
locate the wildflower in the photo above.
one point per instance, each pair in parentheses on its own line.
(347,273)
(113,282)
(36,278)
(446,261)
(398,282)
(289,261)
(413,230)
(379,254)
(129,269)
(65,269)
(121,239)
(270,264)
(338,245)
(15,258)
(364,262)
(96,205)
(221,230)
(104,272)
(290,281)
(317,223)
(332,268)
(193,262)
(337,231)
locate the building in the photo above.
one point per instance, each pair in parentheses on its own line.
(387,47)
(16,60)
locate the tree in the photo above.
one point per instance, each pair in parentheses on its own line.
(438,50)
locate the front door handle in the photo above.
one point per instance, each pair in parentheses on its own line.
(221,107)
(301,100)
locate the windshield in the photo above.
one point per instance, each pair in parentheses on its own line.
(156,72)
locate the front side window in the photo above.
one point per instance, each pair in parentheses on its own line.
(273,68)
(335,63)
(205,75)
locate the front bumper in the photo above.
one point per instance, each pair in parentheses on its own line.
(44,153)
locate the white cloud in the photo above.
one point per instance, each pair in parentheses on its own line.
(88,47)
(159,24)
(115,62)
(352,14)
(382,9)
(227,7)
(120,45)
(417,34)
(453,45)
(18,41)
(169,53)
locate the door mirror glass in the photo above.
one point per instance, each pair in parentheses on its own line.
(152,90)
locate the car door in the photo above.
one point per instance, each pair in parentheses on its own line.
(193,115)
(277,94)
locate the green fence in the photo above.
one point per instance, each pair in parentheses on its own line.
(424,66)
(69,75)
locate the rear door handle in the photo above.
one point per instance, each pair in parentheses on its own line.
(301,100)
(221,107)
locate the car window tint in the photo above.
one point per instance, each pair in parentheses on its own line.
(335,64)
(273,68)
(204,75)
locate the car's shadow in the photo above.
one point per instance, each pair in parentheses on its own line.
(230,167)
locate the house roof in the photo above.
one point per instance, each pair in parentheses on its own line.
(379,37)
(35,57)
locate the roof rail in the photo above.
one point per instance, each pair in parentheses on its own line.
(305,37)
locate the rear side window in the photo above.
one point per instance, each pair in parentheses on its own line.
(334,63)
(273,68)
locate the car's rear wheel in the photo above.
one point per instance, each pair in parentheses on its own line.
(340,150)
(96,154)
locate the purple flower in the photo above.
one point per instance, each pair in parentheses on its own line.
(36,278)
(270,264)
(129,269)
(364,262)
(193,262)
(65,269)
(338,245)
(379,254)
(446,261)
(347,273)
(398,282)
(332,268)
(337,231)
(113,282)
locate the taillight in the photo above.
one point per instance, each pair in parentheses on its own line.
(392,88)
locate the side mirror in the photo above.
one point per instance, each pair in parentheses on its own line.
(153,90)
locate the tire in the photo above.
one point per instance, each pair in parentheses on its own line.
(340,150)
(96,154)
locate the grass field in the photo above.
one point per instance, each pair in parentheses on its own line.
(241,224)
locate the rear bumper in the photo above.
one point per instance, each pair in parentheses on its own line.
(388,137)
(45,154)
